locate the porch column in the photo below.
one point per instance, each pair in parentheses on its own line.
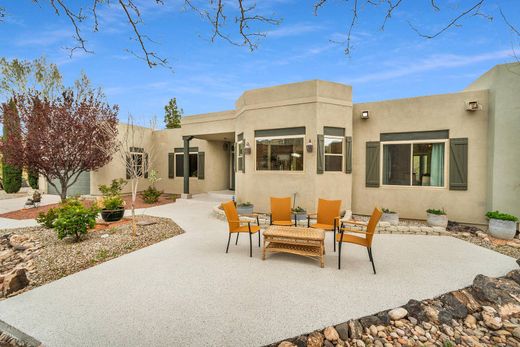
(186,166)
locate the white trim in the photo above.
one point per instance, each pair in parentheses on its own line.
(342,154)
(411,186)
(277,138)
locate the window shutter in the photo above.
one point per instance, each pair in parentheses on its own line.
(145,165)
(320,154)
(171,165)
(459,164)
(372,164)
(243,157)
(348,154)
(200,165)
(128,166)
(235,156)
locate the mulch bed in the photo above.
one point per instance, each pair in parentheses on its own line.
(32,213)
(54,258)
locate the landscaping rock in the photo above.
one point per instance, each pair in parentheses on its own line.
(397,313)
(315,339)
(331,334)
(286,344)
(367,321)
(499,292)
(452,305)
(415,310)
(355,329)
(342,330)
(14,281)
(514,275)
(301,341)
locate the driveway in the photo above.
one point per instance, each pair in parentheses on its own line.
(186,291)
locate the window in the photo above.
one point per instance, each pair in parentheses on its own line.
(137,162)
(333,153)
(179,165)
(414,164)
(240,155)
(279,153)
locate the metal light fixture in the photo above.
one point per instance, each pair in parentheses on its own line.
(309,146)
(247,148)
(364,115)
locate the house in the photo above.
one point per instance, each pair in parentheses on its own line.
(458,151)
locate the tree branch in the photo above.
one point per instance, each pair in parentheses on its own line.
(508,23)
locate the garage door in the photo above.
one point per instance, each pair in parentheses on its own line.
(81,187)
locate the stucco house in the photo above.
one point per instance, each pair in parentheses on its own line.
(458,151)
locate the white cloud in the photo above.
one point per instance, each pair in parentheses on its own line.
(293,30)
(44,38)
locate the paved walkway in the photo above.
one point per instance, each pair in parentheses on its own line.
(15,204)
(186,291)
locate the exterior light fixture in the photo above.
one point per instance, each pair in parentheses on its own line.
(473,105)
(309,146)
(247,148)
(364,115)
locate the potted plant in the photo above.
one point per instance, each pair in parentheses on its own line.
(299,213)
(502,225)
(245,208)
(390,216)
(112,205)
(437,218)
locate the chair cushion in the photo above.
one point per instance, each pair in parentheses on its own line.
(329,227)
(283,222)
(352,239)
(245,229)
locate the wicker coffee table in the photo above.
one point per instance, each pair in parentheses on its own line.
(307,242)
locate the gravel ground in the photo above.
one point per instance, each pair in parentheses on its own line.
(60,258)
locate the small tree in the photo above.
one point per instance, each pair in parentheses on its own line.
(63,137)
(11,170)
(172,114)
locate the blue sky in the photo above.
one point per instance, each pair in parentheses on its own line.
(209,77)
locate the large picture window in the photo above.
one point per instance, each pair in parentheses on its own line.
(279,153)
(414,164)
(333,153)
(179,165)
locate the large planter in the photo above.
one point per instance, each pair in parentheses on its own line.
(300,215)
(392,218)
(437,220)
(245,209)
(502,229)
(112,215)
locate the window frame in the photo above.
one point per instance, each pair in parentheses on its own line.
(175,164)
(342,154)
(134,162)
(411,143)
(240,155)
(302,136)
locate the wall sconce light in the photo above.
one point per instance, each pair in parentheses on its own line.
(364,115)
(473,105)
(309,146)
(247,148)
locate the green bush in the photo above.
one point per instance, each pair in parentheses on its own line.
(440,212)
(33,179)
(74,219)
(12,178)
(501,216)
(151,195)
(298,209)
(47,219)
(387,210)
(113,202)
(245,204)
(115,188)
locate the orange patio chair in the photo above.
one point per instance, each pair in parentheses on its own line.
(281,213)
(327,217)
(358,227)
(236,225)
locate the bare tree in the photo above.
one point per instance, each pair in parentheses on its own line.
(248,23)
(135,154)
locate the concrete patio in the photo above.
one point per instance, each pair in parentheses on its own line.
(187,291)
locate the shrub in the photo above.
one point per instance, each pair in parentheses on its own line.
(245,204)
(113,203)
(298,209)
(47,219)
(12,178)
(440,212)
(387,210)
(151,195)
(115,188)
(501,216)
(32,178)
(74,219)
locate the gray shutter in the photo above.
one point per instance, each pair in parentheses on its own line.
(200,165)
(171,165)
(459,164)
(372,164)
(243,157)
(348,154)
(145,165)
(320,154)
(128,169)
(235,156)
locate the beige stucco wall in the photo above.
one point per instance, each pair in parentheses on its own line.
(438,112)
(503,82)
(312,104)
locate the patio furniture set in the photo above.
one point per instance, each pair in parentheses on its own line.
(285,236)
